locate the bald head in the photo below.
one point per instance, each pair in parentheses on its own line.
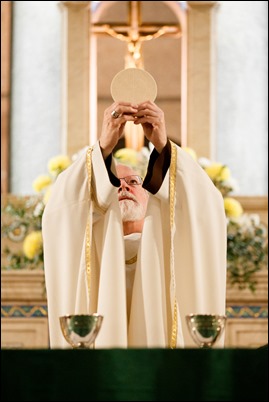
(124,170)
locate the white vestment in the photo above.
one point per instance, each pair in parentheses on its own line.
(181,261)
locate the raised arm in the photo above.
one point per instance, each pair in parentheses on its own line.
(151,117)
(115,118)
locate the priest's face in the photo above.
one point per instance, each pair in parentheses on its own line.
(133,198)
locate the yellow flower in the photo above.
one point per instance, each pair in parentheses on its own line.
(191,152)
(59,163)
(47,195)
(127,155)
(217,171)
(32,245)
(233,208)
(41,182)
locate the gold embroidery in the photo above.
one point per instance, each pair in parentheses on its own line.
(172,183)
(172,192)
(88,227)
(102,210)
(131,260)
(174,327)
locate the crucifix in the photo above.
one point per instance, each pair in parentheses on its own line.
(134,33)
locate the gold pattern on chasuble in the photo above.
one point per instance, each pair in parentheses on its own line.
(172,191)
(131,260)
(100,209)
(88,227)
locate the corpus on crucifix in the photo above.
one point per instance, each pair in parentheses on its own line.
(134,33)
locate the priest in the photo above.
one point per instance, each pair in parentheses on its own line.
(142,253)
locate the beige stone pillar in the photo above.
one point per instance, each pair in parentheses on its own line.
(76,72)
(6,32)
(201,72)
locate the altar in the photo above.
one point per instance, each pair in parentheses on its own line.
(135,375)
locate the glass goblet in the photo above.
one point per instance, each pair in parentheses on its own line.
(205,329)
(81,330)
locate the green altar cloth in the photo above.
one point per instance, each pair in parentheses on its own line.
(135,375)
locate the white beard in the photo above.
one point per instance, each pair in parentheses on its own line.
(131,211)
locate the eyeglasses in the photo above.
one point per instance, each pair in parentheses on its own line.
(132,180)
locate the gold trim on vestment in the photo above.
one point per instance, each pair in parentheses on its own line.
(172,194)
(131,260)
(88,227)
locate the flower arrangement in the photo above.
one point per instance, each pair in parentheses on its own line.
(247,237)
(247,244)
(22,220)
(21,232)
(247,250)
